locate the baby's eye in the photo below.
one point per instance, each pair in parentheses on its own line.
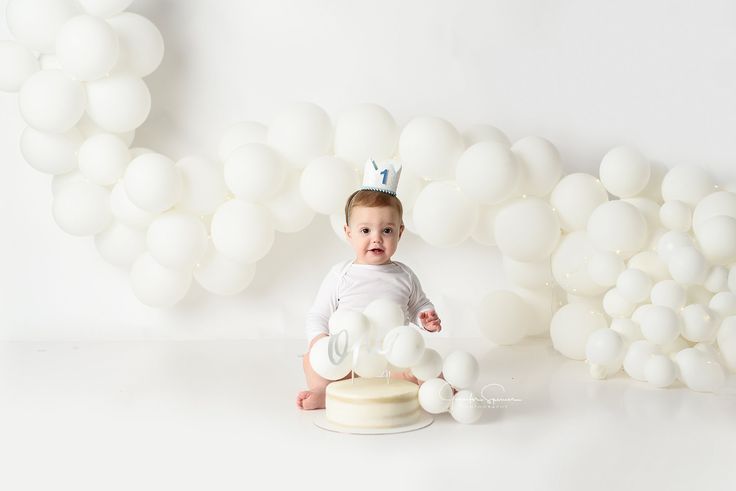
(364,230)
(388,230)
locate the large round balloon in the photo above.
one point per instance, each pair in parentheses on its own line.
(141,44)
(301,132)
(443,215)
(241,231)
(36,23)
(575,197)
(504,317)
(254,172)
(104,8)
(222,276)
(18,64)
(120,244)
(699,371)
(119,102)
(326,184)
(152,182)
(87,48)
(156,285)
(540,164)
(687,183)
(240,134)
(365,131)
(430,147)
(717,239)
(527,229)
(536,274)
(52,153)
(487,172)
(288,209)
(624,172)
(103,158)
(571,326)
(177,240)
(50,101)
(720,203)
(125,211)
(618,226)
(82,208)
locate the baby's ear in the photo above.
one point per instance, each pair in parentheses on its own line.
(401,230)
(346,229)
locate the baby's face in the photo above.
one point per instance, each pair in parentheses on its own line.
(374,233)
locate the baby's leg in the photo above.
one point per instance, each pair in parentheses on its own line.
(314,398)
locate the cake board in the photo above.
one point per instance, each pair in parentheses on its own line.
(321,421)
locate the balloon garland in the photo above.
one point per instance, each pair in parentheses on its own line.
(635,269)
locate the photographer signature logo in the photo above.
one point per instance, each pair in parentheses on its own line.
(491,396)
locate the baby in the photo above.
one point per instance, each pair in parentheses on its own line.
(373,227)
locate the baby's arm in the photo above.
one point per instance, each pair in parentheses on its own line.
(420,308)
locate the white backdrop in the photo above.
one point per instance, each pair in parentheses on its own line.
(587,75)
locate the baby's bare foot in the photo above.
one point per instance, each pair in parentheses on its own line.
(308,399)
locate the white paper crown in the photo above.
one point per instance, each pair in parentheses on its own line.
(382,177)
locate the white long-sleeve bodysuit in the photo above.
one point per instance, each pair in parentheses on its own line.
(353,286)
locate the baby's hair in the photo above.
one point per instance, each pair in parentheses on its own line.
(371,199)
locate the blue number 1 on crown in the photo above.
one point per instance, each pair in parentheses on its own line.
(384,173)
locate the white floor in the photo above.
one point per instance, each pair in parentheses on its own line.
(221,415)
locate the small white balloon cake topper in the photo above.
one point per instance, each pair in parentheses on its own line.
(383,177)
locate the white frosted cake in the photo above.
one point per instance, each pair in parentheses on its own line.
(372,403)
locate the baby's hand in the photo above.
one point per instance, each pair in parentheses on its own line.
(430,321)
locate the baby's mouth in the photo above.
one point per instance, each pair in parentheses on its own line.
(376,250)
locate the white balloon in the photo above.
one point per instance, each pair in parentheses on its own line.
(464,407)
(36,23)
(604,346)
(527,229)
(82,208)
(571,326)
(504,317)
(660,325)
(89,128)
(222,276)
(430,147)
(628,329)
(177,240)
(429,366)
(87,48)
(410,185)
(732,279)
(125,211)
(403,346)
(301,133)
(570,265)
(50,101)
(717,239)
(435,396)
(687,265)
(660,371)
(120,244)
(152,182)
(723,304)
(365,131)
(634,284)
(51,153)
(676,215)
(156,285)
(370,363)
(637,356)
(536,274)
(443,216)
(713,205)
(141,44)
(727,342)
(288,209)
(487,172)
(119,102)
(541,167)
(460,369)
(254,172)
(484,133)
(104,8)
(699,371)
(240,134)
(203,186)
(242,232)
(103,158)
(575,197)
(326,184)
(355,325)
(617,305)
(543,303)
(618,226)
(698,294)
(18,65)
(671,241)
(716,279)
(605,267)
(383,314)
(650,211)
(324,365)
(651,264)
(699,323)
(624,171)
(484,233)
(687,183)
(668,293)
